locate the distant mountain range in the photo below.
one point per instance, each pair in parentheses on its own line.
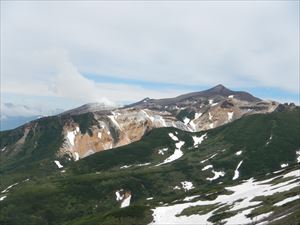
(211,157)
(14,115)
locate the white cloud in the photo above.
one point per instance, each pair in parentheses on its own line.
(9,109)
(46,46)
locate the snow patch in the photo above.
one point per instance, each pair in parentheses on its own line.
(147,115)
(262,216)
(176,155)
(77,129)
(125,167)
(287,200)
(216,175)
(197,115)
(294,173)
(9,187)
(203,161)
(112,118)
(71,137)
(144,164)
(298,154)
(230,116)
(176,188)
(238,153)
(2,198)
(199,140)
(99,135)
(160,119)
(119,197)
(3,149)
(281,217)
(283,165)
(211,125)
(173,137)
(150,198)
(207,167)
(186,121)
(193,125)
(187,199)
(126,202)
(179,144)
(236,172)
(58,164)
(187,185)
(210,116)
(162,151)
(230,96)
(76,156)
(270,138)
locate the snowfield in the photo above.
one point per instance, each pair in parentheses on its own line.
(240,200)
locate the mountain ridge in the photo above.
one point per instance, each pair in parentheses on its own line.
(196,186)
(214,91)
(86,131)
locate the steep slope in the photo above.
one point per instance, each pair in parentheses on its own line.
(93,128)
(244,172)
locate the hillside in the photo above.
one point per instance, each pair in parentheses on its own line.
(92,128)
(246,171)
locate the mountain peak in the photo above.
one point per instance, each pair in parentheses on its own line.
(219,87)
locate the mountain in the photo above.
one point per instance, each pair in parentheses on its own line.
(12,122)
(90,107)
(93,127)
(15,115)
(244,172)
(215,92)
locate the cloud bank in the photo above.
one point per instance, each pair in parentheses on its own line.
(47,47)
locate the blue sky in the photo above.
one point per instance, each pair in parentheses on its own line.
(64,54)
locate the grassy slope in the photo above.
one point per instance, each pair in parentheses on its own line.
(85,194)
